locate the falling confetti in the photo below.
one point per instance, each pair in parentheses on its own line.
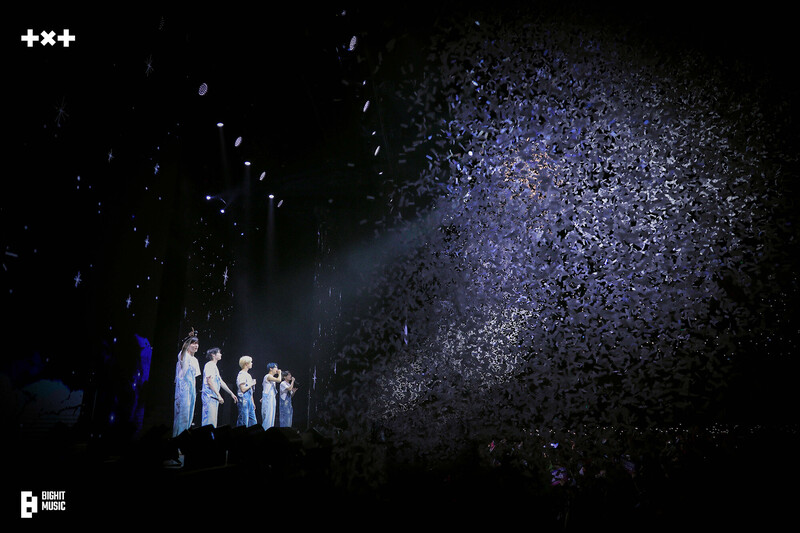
(577,235)
(568,238)
(148,66)
(61,114)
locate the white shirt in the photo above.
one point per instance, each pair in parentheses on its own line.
(243,378)
(192,363)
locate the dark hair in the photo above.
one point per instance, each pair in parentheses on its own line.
(187,341)
(211,352)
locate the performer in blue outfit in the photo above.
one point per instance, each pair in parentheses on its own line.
(287,391)
(269,392)
(213,385)
(246,384)
(186,371)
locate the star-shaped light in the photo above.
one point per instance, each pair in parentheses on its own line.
(149,64)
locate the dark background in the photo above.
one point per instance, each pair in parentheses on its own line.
(282,79)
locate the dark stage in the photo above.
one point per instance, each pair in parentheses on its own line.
(695,479)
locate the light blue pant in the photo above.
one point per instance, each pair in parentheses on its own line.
(286,412)
(185,397)
(247,410)
(268,410)
(210,409)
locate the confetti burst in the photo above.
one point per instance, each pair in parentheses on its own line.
(587,245)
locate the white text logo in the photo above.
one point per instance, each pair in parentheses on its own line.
(48,38)
(51,500)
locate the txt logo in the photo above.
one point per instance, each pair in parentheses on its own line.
(47,38)
(28,502)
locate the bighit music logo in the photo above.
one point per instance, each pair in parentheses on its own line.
(51,500)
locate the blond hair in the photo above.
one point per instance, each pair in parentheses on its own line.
(243,360)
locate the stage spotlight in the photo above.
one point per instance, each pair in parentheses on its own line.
(271,196)
(219,124)
(224,203)
(247,163)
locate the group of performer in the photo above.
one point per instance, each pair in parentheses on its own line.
(278,387)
